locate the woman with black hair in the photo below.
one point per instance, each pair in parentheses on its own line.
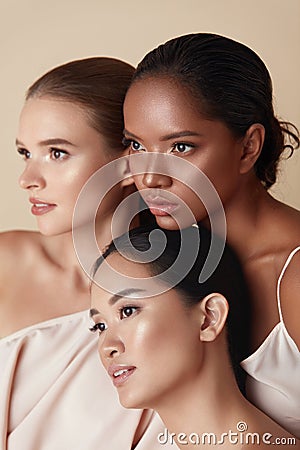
(166,342)
(208,100)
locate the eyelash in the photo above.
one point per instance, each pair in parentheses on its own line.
(63,153)
(26,154)
(123,308)
(98,326)
(130,142)
(177,144)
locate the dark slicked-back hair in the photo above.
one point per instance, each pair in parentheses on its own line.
(230,83)
(227,279)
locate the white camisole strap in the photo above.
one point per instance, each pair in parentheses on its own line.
(291,255)
(273,372)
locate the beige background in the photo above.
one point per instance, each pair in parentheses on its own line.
(36,35)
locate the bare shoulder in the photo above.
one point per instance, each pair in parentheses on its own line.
(289,238)
(290,296)
(284,237)
(287,224)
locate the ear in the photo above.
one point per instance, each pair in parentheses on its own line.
(252,145)
(214,308)
(127,178)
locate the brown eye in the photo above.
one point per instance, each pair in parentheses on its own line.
(127,311)
(23,152)
(56,153)
(98,327)
(135,146)
(181,147)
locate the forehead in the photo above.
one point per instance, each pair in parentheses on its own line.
(56,105)
(125,266)
(53,116)
(117,273)
(150,98)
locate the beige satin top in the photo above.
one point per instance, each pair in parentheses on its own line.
(273,382)
(55,394)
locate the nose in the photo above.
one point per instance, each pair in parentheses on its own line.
(156,180)
(31,177)
(111,346)
(155,176)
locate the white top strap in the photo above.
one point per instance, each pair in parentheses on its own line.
(280,278)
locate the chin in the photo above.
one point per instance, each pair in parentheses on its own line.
(167,222)
(132,402)
(53,230)
(170,223)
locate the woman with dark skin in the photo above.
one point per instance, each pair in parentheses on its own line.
(207,99)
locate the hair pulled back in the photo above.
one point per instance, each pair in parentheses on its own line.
(227,279)
(97,84)
(232,84)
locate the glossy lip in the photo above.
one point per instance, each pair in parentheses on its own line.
(159,206)
(40,207)
(123,377)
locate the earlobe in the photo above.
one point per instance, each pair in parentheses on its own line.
(214,308)
(252,145)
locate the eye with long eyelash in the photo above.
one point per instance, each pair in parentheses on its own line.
(58,154)
(98,327)
(129,143)
(127,311)
(182,147)
(24,153)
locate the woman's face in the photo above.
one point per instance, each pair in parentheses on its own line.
(150,346)
(161,117)
(61,151)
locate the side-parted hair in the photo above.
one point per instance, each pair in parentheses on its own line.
(98,85)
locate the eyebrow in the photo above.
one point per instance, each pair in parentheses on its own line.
(167,137)
(52,141)
(116,297)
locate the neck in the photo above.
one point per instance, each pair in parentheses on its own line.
(60,250)
(245,215)
(91,238)
(79,248)
(208,404)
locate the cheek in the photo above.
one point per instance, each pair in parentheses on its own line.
(72,182)
(165,335)
(193,205)
(143,337)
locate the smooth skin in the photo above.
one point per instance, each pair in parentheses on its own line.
(40,274)
(176,357)
(162,117)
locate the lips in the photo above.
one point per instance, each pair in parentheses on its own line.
(159,206)
(40,207)
(120,374)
